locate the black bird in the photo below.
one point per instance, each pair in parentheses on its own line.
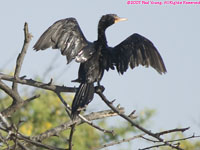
(96,57)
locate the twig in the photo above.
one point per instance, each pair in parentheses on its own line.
(68,110)
(14,95)
(16,135)
(20,58)
(22,146)
(5,121)
(159,145)
(182,139)
(150,140)
(166,132)
(78,121)
(2,139)
(71,136)
(119,142)
(40,144)
(37,84)
(95,126)
(31,99)
(67,107)
(172,130)
(8,128)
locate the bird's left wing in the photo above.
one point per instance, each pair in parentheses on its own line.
(136,50)
(65,35)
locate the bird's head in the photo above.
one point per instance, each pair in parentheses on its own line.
(109,19)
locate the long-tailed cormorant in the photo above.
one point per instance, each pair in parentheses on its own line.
(95,57)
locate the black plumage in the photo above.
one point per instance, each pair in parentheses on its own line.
(96,57)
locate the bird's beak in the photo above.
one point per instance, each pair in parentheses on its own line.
(118,19)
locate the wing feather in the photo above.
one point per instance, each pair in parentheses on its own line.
(65,35)
(134,51)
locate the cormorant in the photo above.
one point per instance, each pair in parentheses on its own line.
(96,57)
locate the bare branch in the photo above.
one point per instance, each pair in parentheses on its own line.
(14,136)
(119,142)
(14,106)
(154,146)
(71,136)
(5,121)
(31,99)
(172,130)
(39,144)
(16,98)
(4,141)
(67,107)
(37,84)
(68,110)
(20,58)
(95,126)
(183,139)
(150,140)
(8,128)
(22,146)
(78,121)
(123,115)
(156,136)
(14,95)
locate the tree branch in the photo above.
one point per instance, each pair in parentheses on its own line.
(119,142)
(20,58)
(39,144)
(71,136)
(172,130)
(17,100)
(37,84)
(183,139)
(68,110)
(78,121)
(155,146)
(156,136)
(15,96)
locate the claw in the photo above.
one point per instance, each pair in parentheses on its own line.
(100,88)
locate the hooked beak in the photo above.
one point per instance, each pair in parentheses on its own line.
(118,19)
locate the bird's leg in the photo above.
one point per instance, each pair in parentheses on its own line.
(98,83)
(99,87)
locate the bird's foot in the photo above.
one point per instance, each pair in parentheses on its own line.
(99,88)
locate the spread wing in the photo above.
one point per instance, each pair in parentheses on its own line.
(65,35)
(136,50)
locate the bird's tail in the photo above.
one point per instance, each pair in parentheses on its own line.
(83,96)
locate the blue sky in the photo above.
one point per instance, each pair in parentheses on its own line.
(174,30)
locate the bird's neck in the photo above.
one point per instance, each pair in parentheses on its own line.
(102,36)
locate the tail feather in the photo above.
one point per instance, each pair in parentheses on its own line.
(83,96)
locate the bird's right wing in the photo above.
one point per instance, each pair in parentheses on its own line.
(65,35)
